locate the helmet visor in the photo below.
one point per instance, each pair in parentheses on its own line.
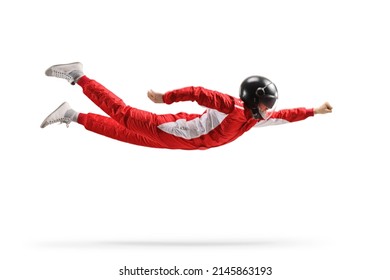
(265,111)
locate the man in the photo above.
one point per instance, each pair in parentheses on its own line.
(225,119)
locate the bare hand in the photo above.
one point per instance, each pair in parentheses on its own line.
(323,109)
(155,96)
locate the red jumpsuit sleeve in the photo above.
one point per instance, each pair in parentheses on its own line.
(293,115)
(209,98)
(286,116)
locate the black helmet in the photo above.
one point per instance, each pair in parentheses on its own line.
(256,90)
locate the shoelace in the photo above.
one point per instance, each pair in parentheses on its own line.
(63,75)
(64,120)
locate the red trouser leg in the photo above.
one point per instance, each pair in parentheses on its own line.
(109,127)
(139,121)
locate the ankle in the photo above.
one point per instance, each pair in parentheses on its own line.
(76,75)
(83,80)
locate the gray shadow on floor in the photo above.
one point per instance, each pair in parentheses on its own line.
(111,244)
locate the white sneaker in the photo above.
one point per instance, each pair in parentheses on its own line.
(63,114)
(70,72)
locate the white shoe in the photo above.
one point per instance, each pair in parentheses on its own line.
(70,72)
(63,114)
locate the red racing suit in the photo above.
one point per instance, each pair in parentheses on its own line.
(224,120)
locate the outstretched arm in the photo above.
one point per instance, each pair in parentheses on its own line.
(293,115)
(204,97)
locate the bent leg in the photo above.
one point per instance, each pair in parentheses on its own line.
(139,121)
(110,128)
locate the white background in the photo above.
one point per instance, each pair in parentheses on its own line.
(309,199)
